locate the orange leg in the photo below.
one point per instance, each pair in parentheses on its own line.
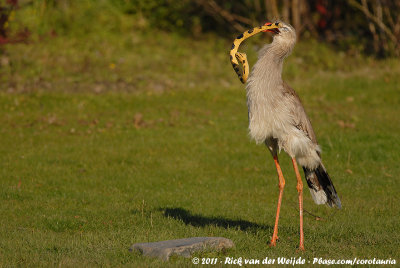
(300,191)
(281,186)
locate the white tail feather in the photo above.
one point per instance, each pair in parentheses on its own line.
(319,197)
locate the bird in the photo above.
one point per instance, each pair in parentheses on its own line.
(278,119)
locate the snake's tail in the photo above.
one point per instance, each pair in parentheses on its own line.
(242,58)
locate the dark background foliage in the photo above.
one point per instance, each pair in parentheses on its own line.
(371,26)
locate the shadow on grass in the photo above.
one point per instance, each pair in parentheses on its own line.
(200,221)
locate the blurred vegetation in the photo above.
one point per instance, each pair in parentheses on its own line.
(372,26)
(368,26)
(118,44)
(348,24)
(101,46)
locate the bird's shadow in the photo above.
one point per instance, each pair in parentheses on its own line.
(201,221)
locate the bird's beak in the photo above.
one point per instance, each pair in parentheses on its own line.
(271,27)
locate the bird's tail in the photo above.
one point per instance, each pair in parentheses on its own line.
(321,186)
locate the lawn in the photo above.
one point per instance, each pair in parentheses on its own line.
(115,139)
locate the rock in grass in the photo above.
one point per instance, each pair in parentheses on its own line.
(182,247)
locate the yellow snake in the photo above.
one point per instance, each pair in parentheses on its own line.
(235,55)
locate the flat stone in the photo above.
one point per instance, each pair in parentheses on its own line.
(182,247)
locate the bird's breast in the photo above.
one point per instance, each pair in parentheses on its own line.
(268,115)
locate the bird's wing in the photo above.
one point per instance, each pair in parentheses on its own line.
(318,181)
(298,113)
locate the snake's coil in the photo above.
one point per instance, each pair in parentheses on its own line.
(236,56)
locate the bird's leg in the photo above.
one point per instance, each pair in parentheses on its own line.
(300,191)
(281,186)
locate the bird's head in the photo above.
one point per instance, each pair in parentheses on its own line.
(284,36)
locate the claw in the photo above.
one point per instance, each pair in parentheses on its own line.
(301,249)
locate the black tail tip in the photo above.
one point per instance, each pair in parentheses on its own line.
(338,203)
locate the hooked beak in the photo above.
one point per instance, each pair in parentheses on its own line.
(272,27)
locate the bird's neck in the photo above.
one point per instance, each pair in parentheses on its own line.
(267,72)
(273,62)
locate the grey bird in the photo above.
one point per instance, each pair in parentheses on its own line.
(277,118)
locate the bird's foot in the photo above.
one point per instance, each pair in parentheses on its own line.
(273,241)
(301,249)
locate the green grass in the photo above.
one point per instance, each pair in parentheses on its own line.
(115,139)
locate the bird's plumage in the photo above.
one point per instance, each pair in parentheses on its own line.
(277,116)
(321,186)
